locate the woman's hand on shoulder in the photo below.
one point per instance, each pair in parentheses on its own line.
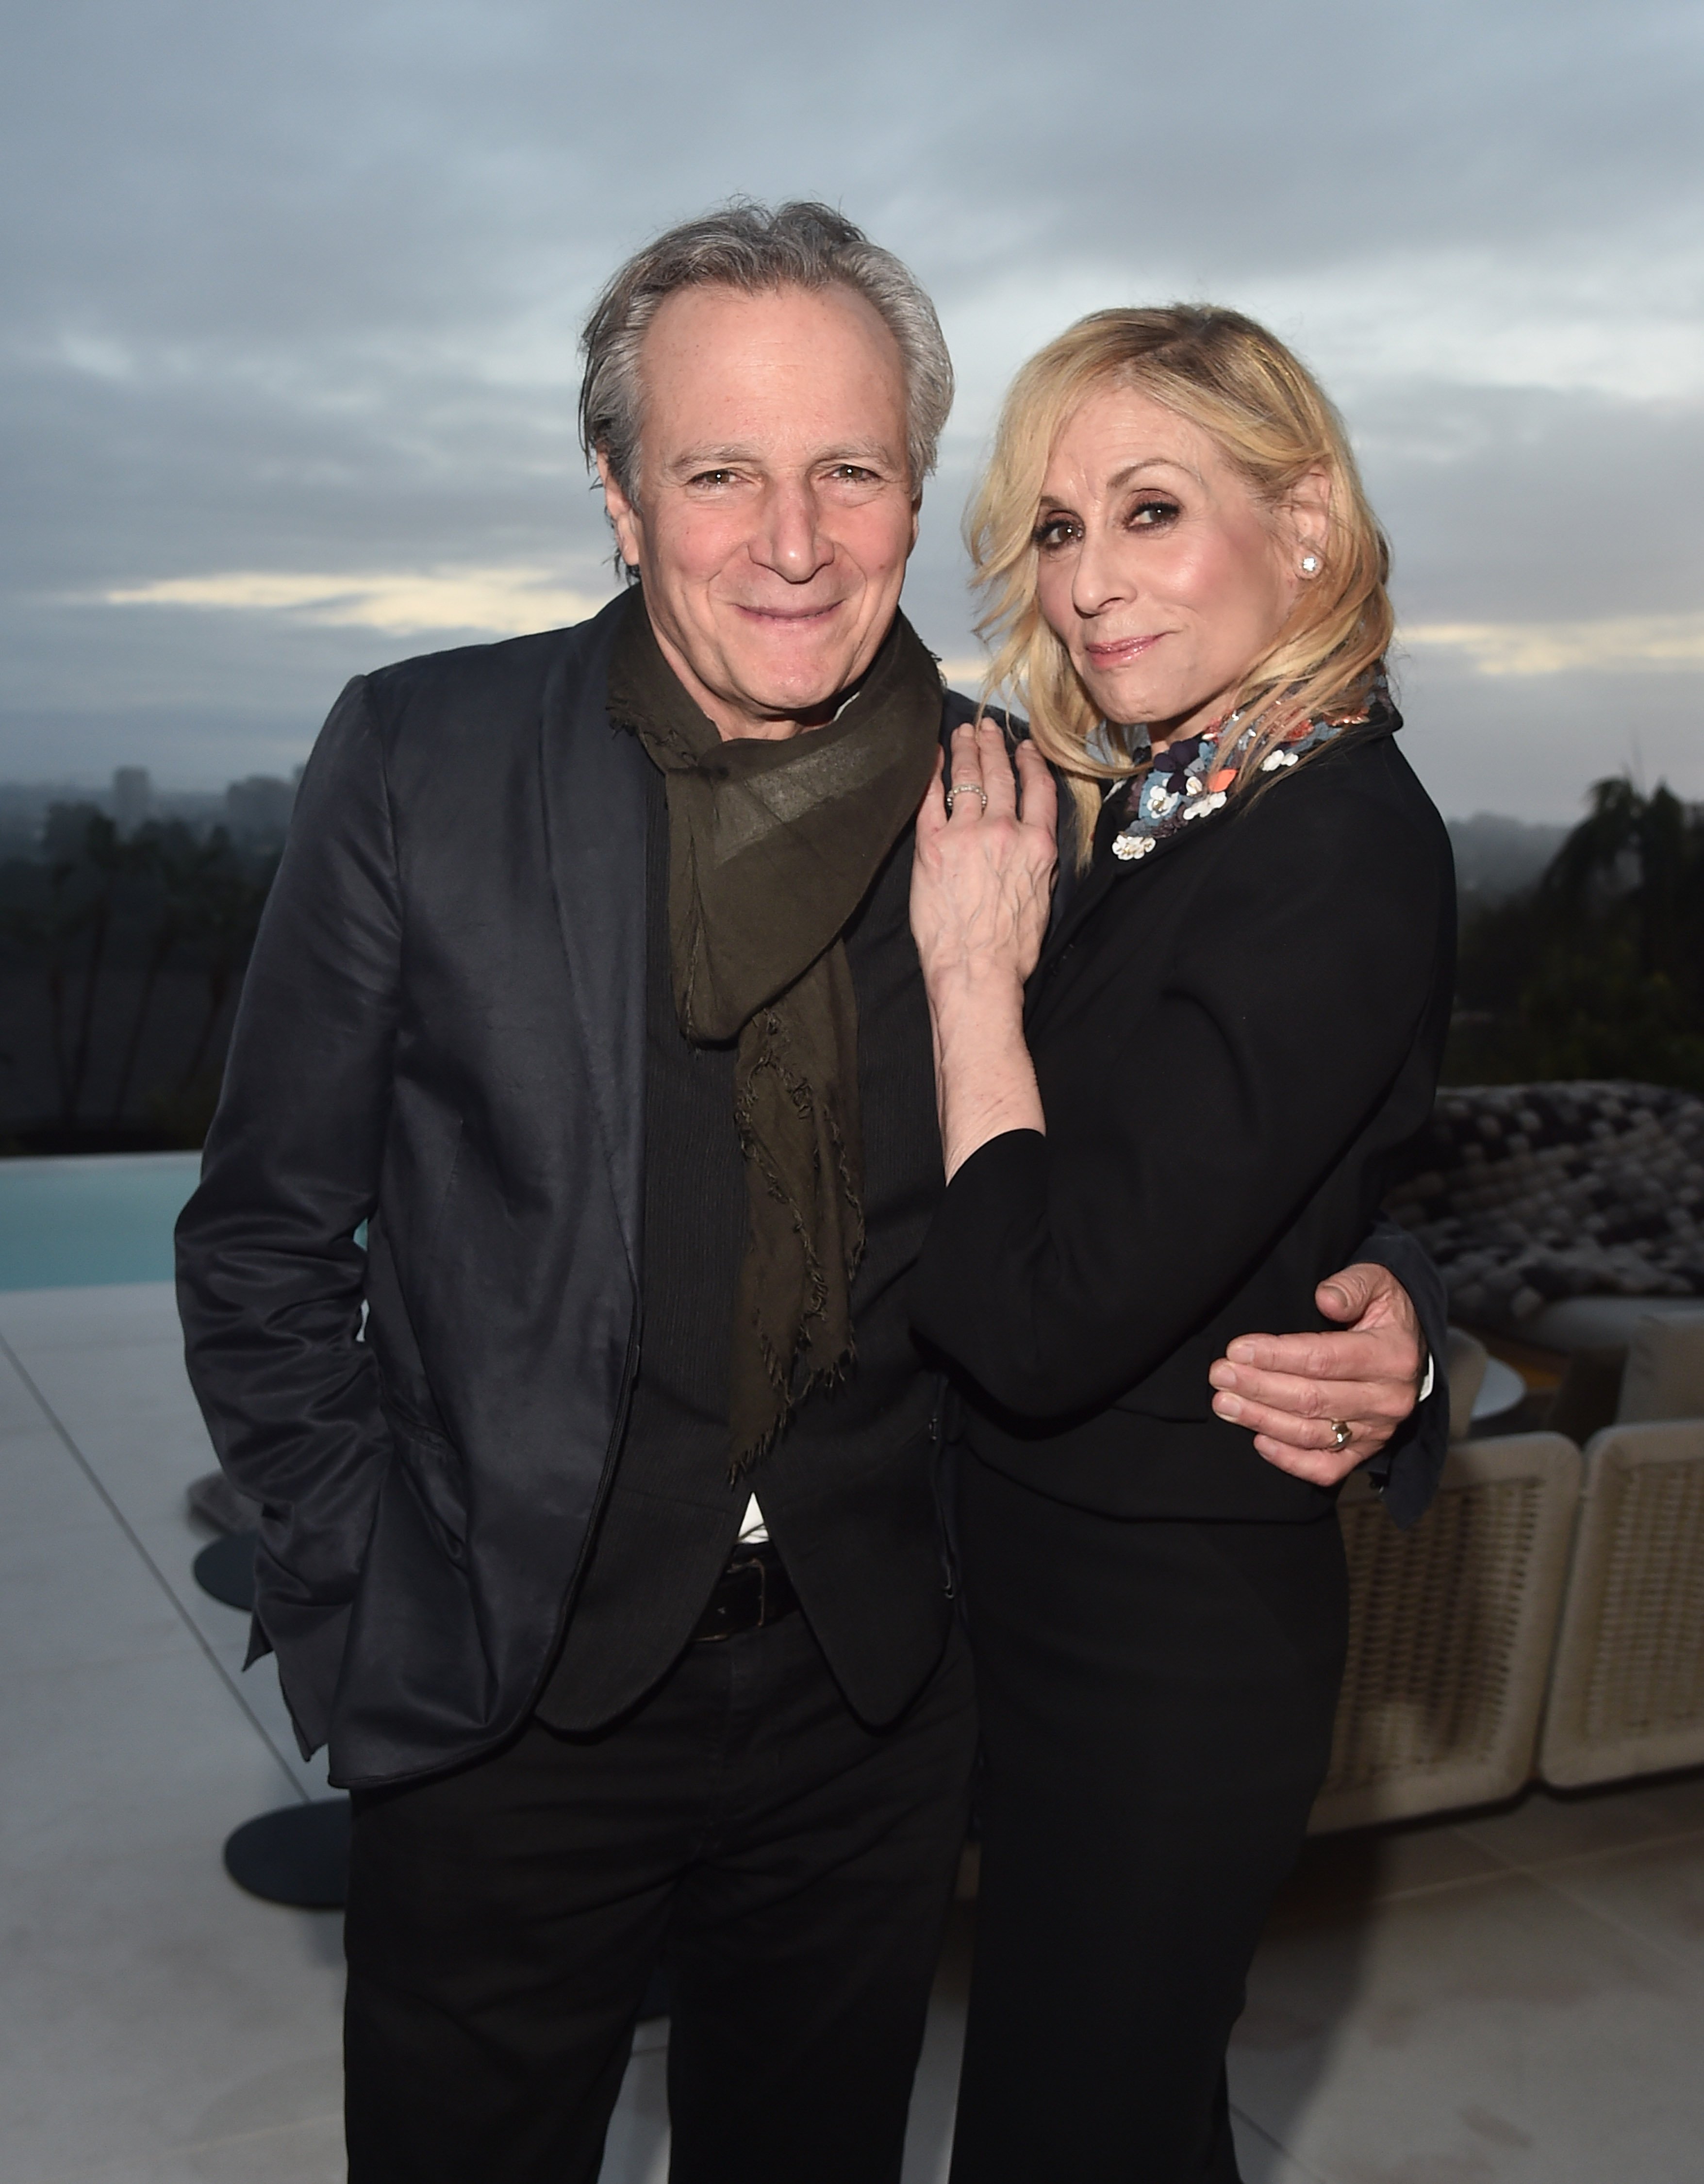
(983,872)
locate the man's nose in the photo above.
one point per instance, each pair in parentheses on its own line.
(789,539)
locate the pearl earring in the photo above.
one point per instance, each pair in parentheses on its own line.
(1310,564)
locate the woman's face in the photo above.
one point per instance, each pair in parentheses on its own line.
(1163,575)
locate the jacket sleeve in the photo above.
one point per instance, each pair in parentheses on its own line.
(1061,1270)
(270,1276)
(1408,1466)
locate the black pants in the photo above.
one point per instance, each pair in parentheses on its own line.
(1156,1701)
(797,1867)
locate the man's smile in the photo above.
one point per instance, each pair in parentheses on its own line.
(795,616)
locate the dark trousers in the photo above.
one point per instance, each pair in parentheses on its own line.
(1156,1701)
(795,1866)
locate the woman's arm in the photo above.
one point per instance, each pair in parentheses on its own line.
(1061,1270)
(982,879)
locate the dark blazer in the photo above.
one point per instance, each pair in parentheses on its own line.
(1234,1036)
(443,1034)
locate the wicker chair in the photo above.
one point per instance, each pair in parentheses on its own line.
(1627,1697)
(1450,1632)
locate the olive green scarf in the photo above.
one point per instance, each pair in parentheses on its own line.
(772,846)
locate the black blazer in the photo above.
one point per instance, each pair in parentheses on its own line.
(442,1034)
(1234,1035)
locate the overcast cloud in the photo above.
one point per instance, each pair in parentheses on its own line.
(291,294)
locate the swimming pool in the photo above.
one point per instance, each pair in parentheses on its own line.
(91,1219)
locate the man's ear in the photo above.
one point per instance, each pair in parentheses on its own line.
(623,515)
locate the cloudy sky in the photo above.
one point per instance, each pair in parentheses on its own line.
(290,294)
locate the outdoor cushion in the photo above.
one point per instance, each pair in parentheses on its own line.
(1600,1322)
(1665,1369)
(1526,1195)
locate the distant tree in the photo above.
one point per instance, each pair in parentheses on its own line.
(222,903)
(68,934)
(172,857)
(104,860)
(99,921)
(1598,970)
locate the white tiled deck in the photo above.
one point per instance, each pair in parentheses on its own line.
(1517,1999)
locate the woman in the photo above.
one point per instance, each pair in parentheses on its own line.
(1234,1023)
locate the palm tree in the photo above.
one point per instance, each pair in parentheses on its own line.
(1599,971)
(1642,855)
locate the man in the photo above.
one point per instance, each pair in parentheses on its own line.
(610,1560)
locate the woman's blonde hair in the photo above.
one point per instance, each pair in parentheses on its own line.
(1274,424)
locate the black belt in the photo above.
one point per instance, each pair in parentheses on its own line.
(754,1590)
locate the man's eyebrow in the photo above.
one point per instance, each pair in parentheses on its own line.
(859,451)
(712,459)
(730,456)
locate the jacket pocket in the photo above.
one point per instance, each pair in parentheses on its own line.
(432,1466)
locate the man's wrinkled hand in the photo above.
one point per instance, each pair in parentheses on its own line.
(1293,1390)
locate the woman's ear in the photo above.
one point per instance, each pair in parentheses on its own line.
(1309,511)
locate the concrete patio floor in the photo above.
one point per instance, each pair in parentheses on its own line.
(1515,1996)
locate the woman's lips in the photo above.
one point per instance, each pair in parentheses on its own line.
(1119,652)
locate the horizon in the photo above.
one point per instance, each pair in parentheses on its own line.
(82,788)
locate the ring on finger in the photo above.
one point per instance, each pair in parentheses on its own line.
(967,788)
(1341,1434)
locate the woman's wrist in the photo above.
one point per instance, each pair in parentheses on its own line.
(983,1071)
(972,984)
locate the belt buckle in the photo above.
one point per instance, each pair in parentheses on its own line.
(736,1572)
(755,1563)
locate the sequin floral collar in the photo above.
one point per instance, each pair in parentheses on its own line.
(1193,776)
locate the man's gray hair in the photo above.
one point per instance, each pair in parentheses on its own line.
(748,247)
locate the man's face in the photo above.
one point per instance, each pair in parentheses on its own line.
(774,513)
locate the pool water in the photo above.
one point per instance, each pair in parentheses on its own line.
(91,1219)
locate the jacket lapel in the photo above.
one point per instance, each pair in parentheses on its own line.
(1107,872)
(1085,893)
(1089,891)
(593,783)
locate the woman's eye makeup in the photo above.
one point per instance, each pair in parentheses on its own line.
(1148,512)
(1053,530)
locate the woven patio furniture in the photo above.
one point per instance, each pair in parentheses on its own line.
(1627,1694)
(1451,1626)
